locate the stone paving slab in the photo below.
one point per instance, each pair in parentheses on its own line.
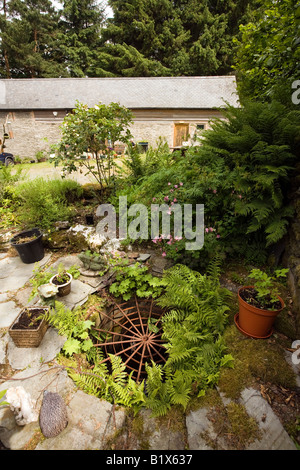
(50,346)
(8,313)
(78,295)
(91,420)
(14,273)
(274,436)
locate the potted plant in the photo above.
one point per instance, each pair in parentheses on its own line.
(63,278)
(29,245)
(259,304)
(29,328)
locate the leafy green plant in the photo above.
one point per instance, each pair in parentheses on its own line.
(43,202)
(113,385)
(135,279)
(3,402)
(70,323)
(265,286)
(93,130)
(192,328)
(42,275)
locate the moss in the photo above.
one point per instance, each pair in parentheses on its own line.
(138,436)
(34,441)
(234,426)
(62,240)
(285,324)
(173,420)
(254,359)
(210,399)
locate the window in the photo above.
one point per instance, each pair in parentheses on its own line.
(49,115)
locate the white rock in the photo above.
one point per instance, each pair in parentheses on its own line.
(22,405)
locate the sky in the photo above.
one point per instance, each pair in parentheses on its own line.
(108,10)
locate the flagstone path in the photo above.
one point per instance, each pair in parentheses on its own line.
(94,423)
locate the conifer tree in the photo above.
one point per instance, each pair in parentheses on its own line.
(28,39)
(80,26)
(172,37)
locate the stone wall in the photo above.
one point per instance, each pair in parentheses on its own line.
(29,135)
(33,133)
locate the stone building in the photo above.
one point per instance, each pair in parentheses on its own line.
(172,108)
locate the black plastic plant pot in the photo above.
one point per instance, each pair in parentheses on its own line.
(89,219)
(29,251)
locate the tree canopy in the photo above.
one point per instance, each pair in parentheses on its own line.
(142,38)
(164,37)
(268,54)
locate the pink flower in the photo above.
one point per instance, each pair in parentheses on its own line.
(169,184)
(176,186)
(218,236)
(164,254)
(174,200)
(154,199)
(207,230)
(177,238)
(211,229)
(181,184)
(166,198)
(171,190)
(215,191)
(240,196)
(169,242)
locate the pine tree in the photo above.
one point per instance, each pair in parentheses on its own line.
(80,26)
(28,39)
(172,37)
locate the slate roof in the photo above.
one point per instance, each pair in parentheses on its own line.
(134,93)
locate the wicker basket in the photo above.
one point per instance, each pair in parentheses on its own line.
(28,338)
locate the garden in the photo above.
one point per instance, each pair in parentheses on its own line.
(166,335)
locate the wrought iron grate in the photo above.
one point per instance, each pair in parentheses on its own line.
(133,331)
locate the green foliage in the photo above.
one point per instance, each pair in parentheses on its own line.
(78,37)
(70,323)
(259,148)
(93,130)
(9,178)
(265,286)
(136,165)
(268,51)
(3,402)
(192,329)
(114,386)
(241,173)
(135,280)
(28,39)
(43,202)
(42,275)
(164,38)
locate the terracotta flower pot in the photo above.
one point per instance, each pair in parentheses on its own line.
(255,322)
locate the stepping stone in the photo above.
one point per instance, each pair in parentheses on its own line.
(14,273)
(274,436)
(8,313)
(78,295)
(50,346)
(143,257)
(3,297)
